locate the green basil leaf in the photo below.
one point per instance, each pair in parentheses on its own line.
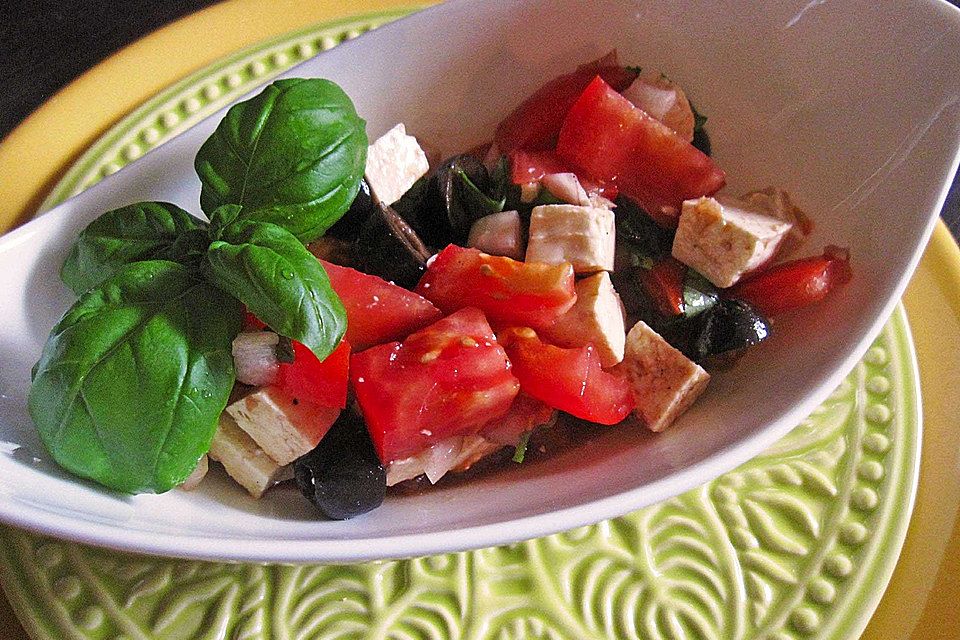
(475,202)
(141,231)
(699,294)
(280,282)
(292,155)
(133,379)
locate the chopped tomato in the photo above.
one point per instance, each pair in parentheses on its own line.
(377,311)
(448,379)
(252,322)
(509,292)
(525,414)
(311,380)
(612,140)
(531,166)
(571,380)
(664,284)
(795,284)
(536,122)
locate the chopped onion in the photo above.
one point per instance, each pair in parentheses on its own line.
(198,474)
(499,234)
(566,187)
(255,357)
(442,457)
(456,453)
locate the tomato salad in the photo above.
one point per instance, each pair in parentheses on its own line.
(582,263)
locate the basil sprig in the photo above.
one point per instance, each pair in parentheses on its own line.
(132,381)
(293,155)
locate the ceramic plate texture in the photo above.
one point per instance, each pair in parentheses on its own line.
(615,471)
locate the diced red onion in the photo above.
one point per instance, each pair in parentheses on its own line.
(498,234)
(255,357)
(566,187)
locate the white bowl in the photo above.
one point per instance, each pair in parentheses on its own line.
(851,106)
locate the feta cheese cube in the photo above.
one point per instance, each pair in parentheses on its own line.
(243,460)
(394,162)
(664,381)
(724,239)
(583,236)
(280,425)
(597,317)
(777,203)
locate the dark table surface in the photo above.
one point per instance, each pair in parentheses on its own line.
(44,44)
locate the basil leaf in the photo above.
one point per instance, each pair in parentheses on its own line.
(699,294)
(133,379)
(521,449)
(280,282)
(292,155)
(141,231)
(474,202)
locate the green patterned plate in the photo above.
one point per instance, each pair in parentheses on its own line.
(797,543)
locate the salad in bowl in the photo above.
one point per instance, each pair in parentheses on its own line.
(354,317)
(786,131)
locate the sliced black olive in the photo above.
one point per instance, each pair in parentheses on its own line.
(638,230)
(729,326)
(348,227)
(442,208)
(389,248)
(342,476)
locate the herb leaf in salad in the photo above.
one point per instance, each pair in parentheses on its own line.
(279,281)
(292,155)
(141,231)
(132,380)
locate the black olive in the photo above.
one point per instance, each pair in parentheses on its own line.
(342,476)
(348,227)
(729,326)
(389,248)
(442,209)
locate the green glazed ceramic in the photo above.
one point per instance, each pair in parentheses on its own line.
(797,543)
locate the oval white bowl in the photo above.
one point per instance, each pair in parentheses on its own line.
(853,107)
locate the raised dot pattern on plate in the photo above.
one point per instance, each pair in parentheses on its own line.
(794,544)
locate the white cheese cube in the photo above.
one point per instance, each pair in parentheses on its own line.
(243,460)
(498,234)
(777,203)
(597,317)
(282,426)
(394,162)
(664,381)
(725,239)
(583,236)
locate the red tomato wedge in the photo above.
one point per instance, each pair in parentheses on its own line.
(509,292)
(614,141)
(795,284)
(532,166)
(448,379)
(311,380)
(568,379)
(536,122)
(664,284)
(378,311)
